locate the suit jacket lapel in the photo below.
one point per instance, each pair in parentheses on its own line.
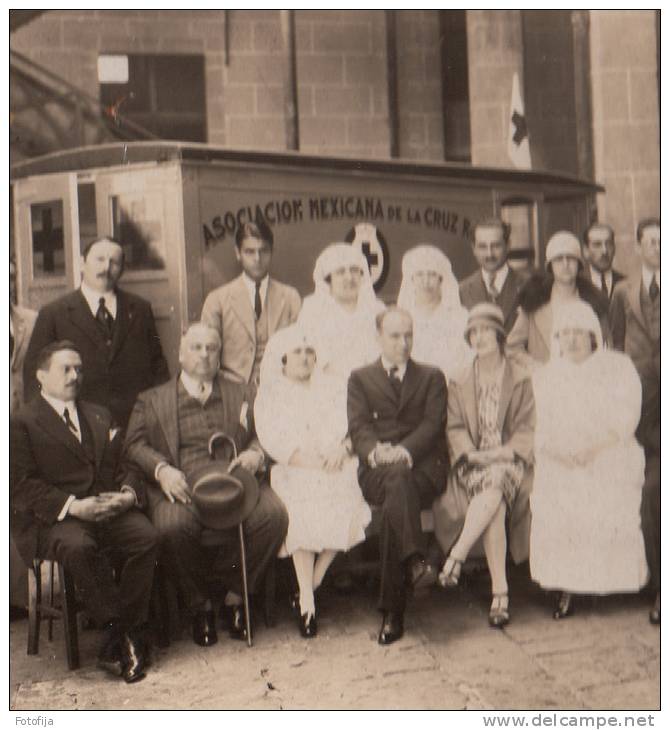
(409,383)
(508,295)
(275,303)
(48,420)
(99,428)
(506,388)
(124,319)
(241,305)
(81,317)
(634,294)
(381,379)
(469,390)
(165,405)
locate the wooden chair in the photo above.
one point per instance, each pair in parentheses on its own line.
(40,607)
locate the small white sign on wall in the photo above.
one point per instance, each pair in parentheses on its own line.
(112,69)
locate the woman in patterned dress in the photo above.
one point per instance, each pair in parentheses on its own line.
(490,422)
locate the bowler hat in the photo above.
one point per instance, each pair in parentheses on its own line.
(220,499)
(485,313)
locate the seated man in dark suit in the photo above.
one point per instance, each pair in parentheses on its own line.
(397,411)
(167,439)
(72,502)
(494,281)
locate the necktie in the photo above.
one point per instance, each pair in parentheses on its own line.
(493,292)
(201,394)
(104,318)
(258,306)
(654,291)
(70,423)
(396,383)
(603,284)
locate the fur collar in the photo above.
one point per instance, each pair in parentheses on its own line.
(536,292)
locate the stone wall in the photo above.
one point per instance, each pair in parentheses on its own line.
(625,122)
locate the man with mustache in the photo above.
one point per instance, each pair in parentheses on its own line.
(113,330)
(494,281)
(598,251)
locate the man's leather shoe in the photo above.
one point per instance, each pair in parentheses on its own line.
(392,627)
(204,628)
(655,611)
(109,656)
(133,659)
(420,574)
(234,621)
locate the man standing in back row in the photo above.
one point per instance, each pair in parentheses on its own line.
(494,281)
(598,251)
(113,330)
(636,329)
(248,310)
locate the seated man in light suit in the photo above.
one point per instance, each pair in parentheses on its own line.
(167,439)
(397,412)
(74,501)
(248,310)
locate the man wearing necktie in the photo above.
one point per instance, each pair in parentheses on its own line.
(636,329)
(598,250)
(114,330)
(74,501)
(247,311)
(494,281)
(397,417)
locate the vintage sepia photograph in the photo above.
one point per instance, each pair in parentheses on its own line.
(334,366)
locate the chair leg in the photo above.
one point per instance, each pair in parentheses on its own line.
(69,610)
(50,593)
(34,605)
(245,587)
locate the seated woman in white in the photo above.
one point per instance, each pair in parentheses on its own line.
(429,292)
(301,421)
(339,317)
(585,531)
(490,420)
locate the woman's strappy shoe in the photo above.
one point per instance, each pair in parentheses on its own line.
(564,607)
(451,572)
(499,613)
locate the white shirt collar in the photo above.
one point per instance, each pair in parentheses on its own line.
(388,365)
(92,298)
(60,405)
(195,388)
(499,279)
(648,275)
(251,288)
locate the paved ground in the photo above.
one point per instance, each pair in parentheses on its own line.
(607,656)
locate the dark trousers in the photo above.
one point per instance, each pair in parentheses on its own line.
(650,514)
(400,492)
(88,550)
(191,565)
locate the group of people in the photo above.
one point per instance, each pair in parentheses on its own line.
(499,403)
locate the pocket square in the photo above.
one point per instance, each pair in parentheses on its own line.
(375,415)
(113,432)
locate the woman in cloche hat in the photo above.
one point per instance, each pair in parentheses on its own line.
(490,422)
(545,292)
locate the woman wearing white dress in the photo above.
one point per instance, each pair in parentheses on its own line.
(301,421)
(429,292)
(585,530)
(339,317)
